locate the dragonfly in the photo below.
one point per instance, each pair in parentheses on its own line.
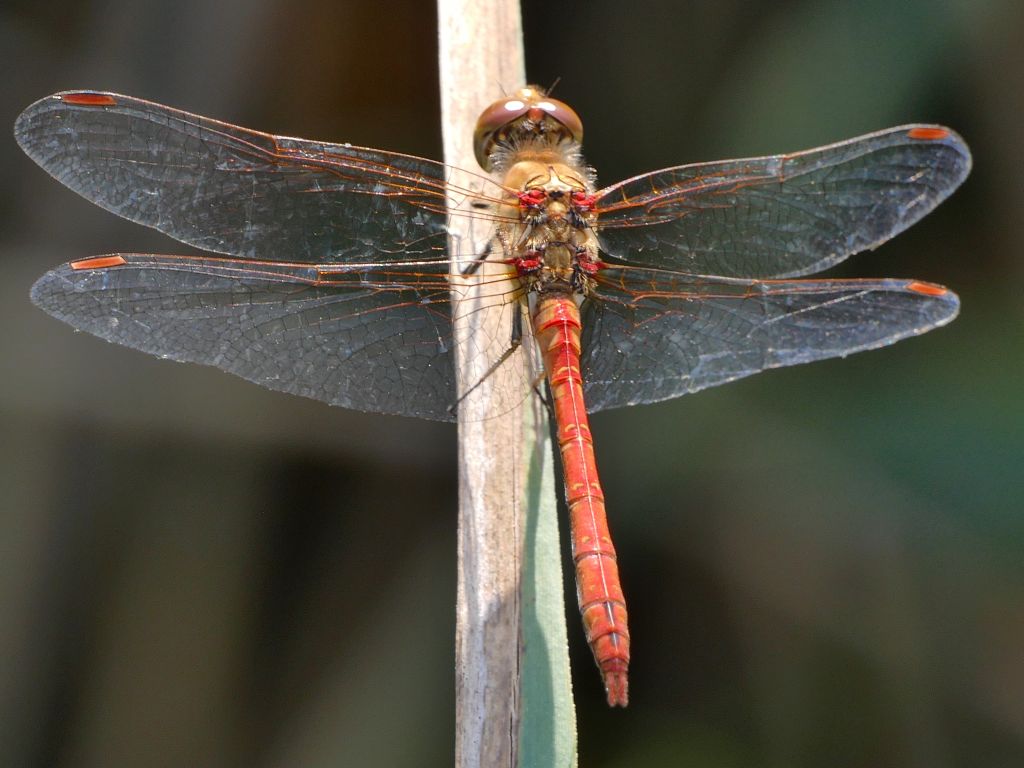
(326,270)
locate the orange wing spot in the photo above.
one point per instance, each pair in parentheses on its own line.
(928,134)
(928,289)
(98,262)
(89,99)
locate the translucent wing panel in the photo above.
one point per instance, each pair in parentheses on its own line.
(346,339)
(666,337)
(231,190)
(784,215)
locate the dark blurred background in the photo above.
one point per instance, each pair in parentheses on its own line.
(825,564)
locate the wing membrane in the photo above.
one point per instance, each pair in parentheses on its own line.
(235,191)
(784,215)
(348,338)
(665,336)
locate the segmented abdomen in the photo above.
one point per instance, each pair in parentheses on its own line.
(556,323)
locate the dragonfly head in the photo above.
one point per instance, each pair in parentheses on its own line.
(526,115)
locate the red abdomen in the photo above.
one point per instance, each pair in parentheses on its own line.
(556,323)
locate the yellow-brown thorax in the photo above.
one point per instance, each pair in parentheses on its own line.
(549,237)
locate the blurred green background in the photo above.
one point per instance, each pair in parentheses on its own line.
(825,564)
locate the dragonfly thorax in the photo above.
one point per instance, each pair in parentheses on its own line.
(549,237)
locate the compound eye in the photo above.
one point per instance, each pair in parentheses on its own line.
(560,112)
(529,102)
(500,114)
(490,123)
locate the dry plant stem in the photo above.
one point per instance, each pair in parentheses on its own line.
(481,53)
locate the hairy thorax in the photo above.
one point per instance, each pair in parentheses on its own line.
(549,215)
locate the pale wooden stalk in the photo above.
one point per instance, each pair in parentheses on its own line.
(505,485)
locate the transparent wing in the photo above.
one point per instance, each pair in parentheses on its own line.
(353,337)
(235,191)
(654,335)
(784,215)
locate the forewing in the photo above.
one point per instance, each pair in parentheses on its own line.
(784,215)
(347,338)
(235,191)
(667,336)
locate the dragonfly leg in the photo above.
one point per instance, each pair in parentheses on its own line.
(544,393)
(513,346)
(539,383)
(475,263)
